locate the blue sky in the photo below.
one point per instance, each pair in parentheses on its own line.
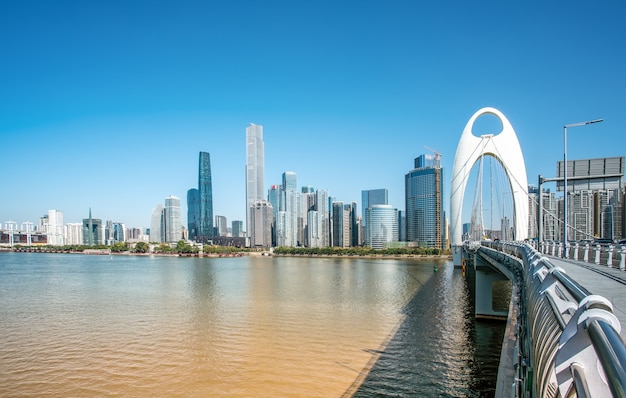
(107,104)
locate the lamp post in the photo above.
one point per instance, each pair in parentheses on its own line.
(565,127)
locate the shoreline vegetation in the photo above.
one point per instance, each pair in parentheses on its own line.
(183,249)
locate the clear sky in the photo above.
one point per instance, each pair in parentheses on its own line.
(106,104)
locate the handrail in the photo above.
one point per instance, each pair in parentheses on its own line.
(590,325)
(573,287)
(612,354)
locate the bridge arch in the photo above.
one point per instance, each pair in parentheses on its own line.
(506,149)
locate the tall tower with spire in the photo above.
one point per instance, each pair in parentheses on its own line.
(92,231)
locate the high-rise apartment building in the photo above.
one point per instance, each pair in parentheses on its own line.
(52,225)
(261,214)
(322,218)
(274,197)
(171,219)
(607,214)
(595,195)
(381,226)
(288,228)
(205,189)
(254,170)
(307,204)
(221,229)
(344,224)
(73,234)
(114,232)
(338,224)
(424,202)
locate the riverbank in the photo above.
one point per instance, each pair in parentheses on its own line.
(235,254)
(376,256)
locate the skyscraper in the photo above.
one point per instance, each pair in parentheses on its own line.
(171,219)
(261,214)
(382,226)
(193,213)
(372,197)
(73,234)
(156,224)
(221,229)
(424,198)
(254,170)
(52,225)
(237,228)
(339,224)
(93,231)
(288,225)
(205,189)
(344,225)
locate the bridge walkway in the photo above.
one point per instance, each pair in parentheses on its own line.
(598,279)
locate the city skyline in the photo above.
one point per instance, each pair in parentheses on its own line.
(116,125)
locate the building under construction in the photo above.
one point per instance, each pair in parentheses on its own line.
(424,203)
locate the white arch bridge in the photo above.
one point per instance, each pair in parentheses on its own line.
(565,316)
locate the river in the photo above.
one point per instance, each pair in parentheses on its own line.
(139,326)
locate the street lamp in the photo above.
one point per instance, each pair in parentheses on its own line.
(565,177)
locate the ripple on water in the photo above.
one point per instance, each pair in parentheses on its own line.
(137,326)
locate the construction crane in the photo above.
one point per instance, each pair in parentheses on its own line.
(437,156)
(438,199)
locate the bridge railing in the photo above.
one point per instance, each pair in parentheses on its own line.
(569,342)
(609,254)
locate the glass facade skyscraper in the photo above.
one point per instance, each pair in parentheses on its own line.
(237,228)
(372,197)
(171,219)
(382,226)
(193,213)
(424,199)
(156,225)
(205,189)
(93,233)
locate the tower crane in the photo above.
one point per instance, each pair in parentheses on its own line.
(438,198)
(437,156)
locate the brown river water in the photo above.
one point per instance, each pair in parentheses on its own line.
(85,326)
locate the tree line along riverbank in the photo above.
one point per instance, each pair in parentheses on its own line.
(184,249)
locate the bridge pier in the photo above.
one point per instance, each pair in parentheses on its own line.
(491,294)
(490,289)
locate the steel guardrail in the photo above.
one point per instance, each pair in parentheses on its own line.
(570,332)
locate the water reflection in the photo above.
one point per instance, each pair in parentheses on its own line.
(439,349)
(252,326)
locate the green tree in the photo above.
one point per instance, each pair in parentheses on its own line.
(141,247)
(164,248)
(183,247)
(119,247)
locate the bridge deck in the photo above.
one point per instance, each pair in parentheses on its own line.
(601,280)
